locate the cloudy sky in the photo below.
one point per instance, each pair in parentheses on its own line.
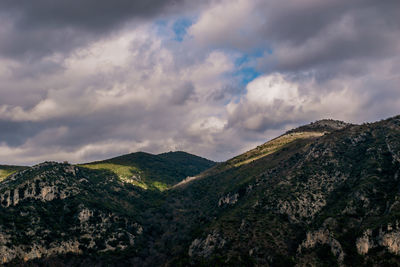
(88,80)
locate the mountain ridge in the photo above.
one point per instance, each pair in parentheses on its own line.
(280,196)
(326,198)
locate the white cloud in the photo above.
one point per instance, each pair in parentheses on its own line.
(138,99)
(273,88)
(232,23)
(138,89)
(273,101)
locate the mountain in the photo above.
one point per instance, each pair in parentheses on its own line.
(154,171)
(327,193)
(57,208)
(54,208)
(314,196)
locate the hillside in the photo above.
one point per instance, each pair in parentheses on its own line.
(306,132)
(54,208)
(6,170)
(317,200)
(324,194)
(153,171)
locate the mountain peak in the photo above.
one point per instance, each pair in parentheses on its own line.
(324,125)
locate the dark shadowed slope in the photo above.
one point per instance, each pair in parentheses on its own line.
(329,199)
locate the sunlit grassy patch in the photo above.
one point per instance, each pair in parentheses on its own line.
(127,174)
(6,171)
(160,186)
(272,146)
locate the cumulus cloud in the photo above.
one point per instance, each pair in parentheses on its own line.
(86,81)
(31,30)
(229,23)
(276,101)
(303,35)
(128,91)
(273,101)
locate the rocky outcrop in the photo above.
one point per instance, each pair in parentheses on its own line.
(365,243)
(308,198)
(323,237)
(107,232)
(205,247)
(326,125)
(84,215)
(39,187)
(392,242)
(387,237)
(34,251)
(228,199)
(33,195)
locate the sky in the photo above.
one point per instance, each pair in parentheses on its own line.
(89,80)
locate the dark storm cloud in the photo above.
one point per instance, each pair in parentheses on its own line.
(42,68)
(32,29)
(33,44)
(304,34)
(297,21)
(92,15)
(182,94)
(15,133)
(317,34)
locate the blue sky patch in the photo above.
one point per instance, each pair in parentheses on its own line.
(246,66)
(180,27)
(246,75)
(247,58)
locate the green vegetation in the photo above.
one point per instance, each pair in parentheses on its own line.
(156,172)
(7,170)
(127,174)
(271,147)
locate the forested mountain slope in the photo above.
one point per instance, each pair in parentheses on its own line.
(327,193)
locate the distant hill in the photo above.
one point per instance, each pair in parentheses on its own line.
(154,171)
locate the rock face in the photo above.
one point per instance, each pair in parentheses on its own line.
(364,243)
(326,125)
(323,237)
(49,210)
(228,199)
(36,251)
(37,188)
(392,242)
(387,237)
(205,247)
